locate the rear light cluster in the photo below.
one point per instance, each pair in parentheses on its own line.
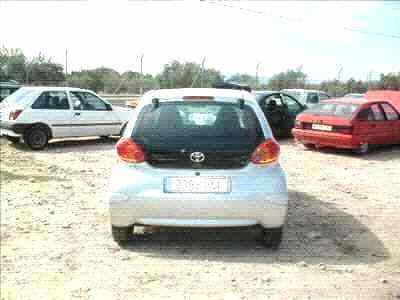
(298,124)
(14,114)
(128,151)
(267,152)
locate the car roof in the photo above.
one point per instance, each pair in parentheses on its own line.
(302,90)
(164,94)
(55,88)
(349,100)
(10,83)
(265,92)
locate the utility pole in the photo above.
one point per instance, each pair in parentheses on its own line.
(202,72)
(257,68)
(369,78)
(141,74)
(66,66)
(338,80)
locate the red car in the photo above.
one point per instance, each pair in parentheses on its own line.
(347,123)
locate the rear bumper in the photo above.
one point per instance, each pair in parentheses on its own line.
(270,211)
(12,129)
(328,139)
(138,197)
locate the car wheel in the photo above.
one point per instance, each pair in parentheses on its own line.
(309,146)
(36,138)
(13,139)
(121,235)
(363,149)
(272,237)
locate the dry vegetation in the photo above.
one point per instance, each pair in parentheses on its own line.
(342,239)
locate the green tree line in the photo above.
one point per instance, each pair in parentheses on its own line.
(41,70)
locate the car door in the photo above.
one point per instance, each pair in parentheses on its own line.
(323,96)
(92,116)
(53,108)
(312,99)
(379,127)
(293,108)
(393,123)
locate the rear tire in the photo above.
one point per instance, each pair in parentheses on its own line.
(36,138)
(309,146)
(13,139)
(122,235)
(272,237)
(363,149)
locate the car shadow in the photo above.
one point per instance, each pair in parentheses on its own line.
(317,232)
(74,145)
(382,153)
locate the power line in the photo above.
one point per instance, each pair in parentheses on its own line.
(362,31)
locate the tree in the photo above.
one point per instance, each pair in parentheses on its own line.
(188,74)
(289,79)
(12,64)
(42,71)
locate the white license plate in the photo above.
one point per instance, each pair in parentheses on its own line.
(321,127)
(197,184)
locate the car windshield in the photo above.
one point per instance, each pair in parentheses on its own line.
(23,96)
(204,125)
(344,110)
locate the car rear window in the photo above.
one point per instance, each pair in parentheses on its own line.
(344,110)
(23,96)
(202,126)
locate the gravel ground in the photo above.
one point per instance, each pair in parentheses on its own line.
(342,239)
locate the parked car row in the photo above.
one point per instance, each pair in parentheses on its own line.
(200,157)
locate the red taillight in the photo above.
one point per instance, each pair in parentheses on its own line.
(344,129)
(298,124)
(267,152)
(14,114)
(129,151)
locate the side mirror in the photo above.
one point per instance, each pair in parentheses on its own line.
(77,104)
(109,106)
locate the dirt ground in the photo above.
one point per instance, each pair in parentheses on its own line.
(342,238)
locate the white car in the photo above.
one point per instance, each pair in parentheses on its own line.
(38,114)
(198,158)
(307,97)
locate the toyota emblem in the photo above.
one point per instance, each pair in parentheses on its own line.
(197,157)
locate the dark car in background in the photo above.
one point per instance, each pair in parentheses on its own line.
(280,109)
(7,88)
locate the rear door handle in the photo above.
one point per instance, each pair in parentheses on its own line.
(77,114)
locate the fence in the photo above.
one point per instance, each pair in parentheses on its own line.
(130,100)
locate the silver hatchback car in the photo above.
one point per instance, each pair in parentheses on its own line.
(198,158)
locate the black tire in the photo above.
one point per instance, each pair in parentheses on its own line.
(272,237)
(363,149)
(122,235)
(13,139)
(309,146)
(36,137)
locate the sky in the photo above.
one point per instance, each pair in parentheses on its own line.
(232,36)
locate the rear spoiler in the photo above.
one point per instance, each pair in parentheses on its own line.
(232,86)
